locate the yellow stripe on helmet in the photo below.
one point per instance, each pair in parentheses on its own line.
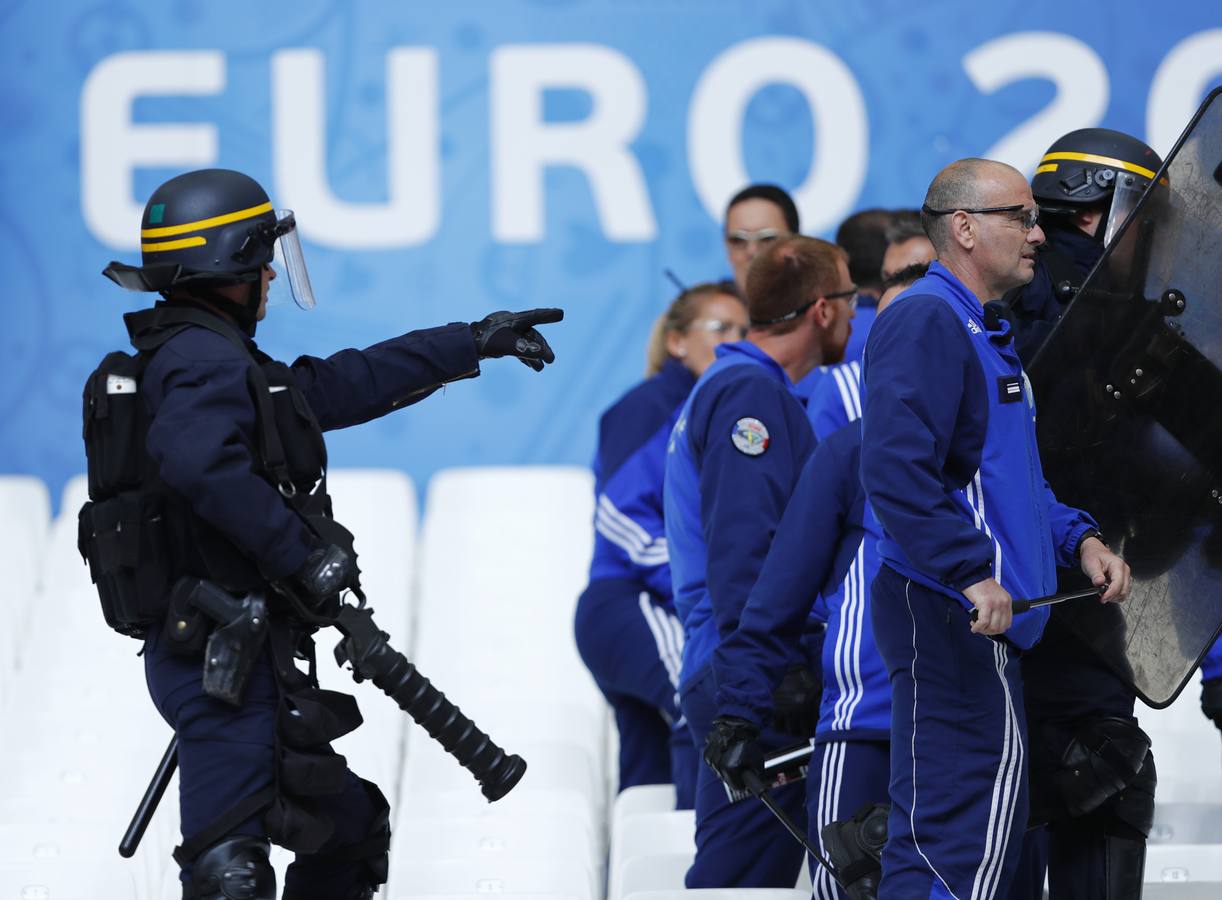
(1051,167)
(206,223)
(1102,160)
(195,241)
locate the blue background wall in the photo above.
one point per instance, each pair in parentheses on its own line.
(926,100)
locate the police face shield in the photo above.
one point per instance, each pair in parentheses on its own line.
(1128,192)
(1129,391)
(288,259)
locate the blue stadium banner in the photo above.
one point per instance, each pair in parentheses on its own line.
(446,160)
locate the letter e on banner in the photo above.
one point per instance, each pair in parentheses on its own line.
(112,146)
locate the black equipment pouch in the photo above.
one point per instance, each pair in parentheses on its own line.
(1104,756)
(309,774)
(311,717)
(115,424)
(123,540)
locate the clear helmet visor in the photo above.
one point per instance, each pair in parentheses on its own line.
(292,278)
(1128,191)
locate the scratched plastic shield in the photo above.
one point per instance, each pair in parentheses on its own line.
(1129,386)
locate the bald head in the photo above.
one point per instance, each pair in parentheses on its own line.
(970,183)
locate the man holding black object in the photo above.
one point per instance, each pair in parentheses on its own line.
(951,468)
(208,473)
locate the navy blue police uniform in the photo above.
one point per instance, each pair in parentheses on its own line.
(1066,686)
(733,459)
(209,534)
(627,631)
(951,468)
(826,544)
(202,437)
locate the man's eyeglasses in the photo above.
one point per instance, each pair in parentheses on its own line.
(1026,216)
(735,330)
(739,238)
(849,295)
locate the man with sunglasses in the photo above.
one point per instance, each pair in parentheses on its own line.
(231,489)
(734,456)
(951,468)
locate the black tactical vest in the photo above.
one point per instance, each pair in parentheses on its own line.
(137,534)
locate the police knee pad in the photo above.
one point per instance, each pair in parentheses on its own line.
(1130,813)
(234,868)
(855,847)
(1103,758)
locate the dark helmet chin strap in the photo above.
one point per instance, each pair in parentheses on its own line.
(245,315)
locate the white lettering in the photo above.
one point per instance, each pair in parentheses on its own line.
(1074,68)
(112,146)
(524,145)
(715,122)
(1179,86)
(413,210)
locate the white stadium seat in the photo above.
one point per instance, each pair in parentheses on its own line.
(25,516)
(722,894)
(379,507)
(659,872)
(1187,749)
(650,834)
(494,876)
(88,878)
(504,556)
(1183,872)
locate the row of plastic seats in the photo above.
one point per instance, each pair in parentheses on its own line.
(504,554)
(1184,856)
(88,737)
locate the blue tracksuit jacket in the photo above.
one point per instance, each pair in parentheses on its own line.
(949,457)
(629,538)
(836,400)
(732,462)
(1211,665)
(823,544)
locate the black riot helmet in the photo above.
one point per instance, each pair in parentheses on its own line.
(1095,167)
(213,228)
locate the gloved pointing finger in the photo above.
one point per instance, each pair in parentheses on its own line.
(506,333)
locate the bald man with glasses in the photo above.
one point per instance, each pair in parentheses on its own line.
(951,468)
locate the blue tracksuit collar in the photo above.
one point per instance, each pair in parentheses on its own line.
(755,354)
(674,372)
(998,327)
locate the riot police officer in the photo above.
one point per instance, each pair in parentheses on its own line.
(1092,772)
(229,492)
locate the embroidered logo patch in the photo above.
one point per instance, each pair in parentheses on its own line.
(750,436)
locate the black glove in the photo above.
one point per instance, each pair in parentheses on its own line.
(513,334)
(1211,700)
(326,571)
(730,749)
(795,702)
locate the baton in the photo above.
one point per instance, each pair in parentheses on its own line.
(148,803)
(756,786)
(1022,606)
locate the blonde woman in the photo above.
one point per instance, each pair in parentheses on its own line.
(626,628)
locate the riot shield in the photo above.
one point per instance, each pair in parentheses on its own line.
(1129,386)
